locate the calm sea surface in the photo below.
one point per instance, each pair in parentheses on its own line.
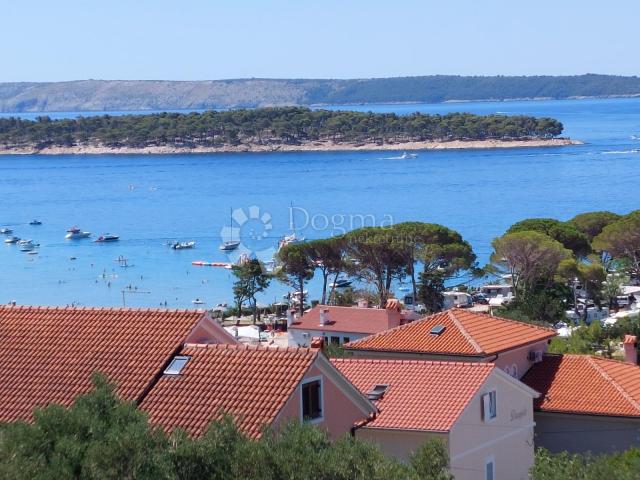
(149,200)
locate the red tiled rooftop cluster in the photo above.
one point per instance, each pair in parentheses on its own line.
(250,383)
(421,395)
(48,354)
(466,333)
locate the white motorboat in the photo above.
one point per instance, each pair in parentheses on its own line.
(107,237)
(11,239)
(28,246)
(406,155)
(183,245)
(75,233)
(197,301)
(5,231)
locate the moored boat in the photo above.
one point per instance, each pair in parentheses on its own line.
(183,245)
(35,222)
(75,233)
(230,245)
(11,239)
(5,230)
(107,237)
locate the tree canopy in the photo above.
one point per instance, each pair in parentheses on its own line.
(267,126)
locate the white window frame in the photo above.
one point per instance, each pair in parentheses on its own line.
(490,460)
(303,383)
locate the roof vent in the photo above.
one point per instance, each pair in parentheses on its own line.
(437,330)
(377,392)
(176,365)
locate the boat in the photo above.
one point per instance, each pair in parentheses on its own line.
(74,233)
(406,155)
(293,238)
(11,239)
(28,246)
(182,245)
(230,244)
(5,231)
(107,237)
(341,283)
(197,301)
(35,222)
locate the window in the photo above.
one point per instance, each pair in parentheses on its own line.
(335,340)
(176,365)
(312,400)
(489,407)
(489,469)
(514,371)
(346,339)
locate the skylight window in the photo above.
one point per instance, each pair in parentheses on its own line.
(377,392)
(437,330)
(176,365)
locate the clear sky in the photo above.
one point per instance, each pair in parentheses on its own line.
(45,40)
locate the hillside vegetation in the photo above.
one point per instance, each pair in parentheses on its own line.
(117,95)
(268,126)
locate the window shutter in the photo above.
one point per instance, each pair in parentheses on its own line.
(486,407)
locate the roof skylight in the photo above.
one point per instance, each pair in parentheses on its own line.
(176,365)
(437,330)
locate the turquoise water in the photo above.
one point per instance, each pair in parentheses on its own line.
(148,200)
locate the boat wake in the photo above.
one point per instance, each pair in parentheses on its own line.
(621,152)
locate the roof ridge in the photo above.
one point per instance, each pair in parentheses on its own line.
(243,346)
(487,365)
(464,332)
(610,379)
(103,309)
(508,320)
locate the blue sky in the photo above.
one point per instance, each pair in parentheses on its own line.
(46,40)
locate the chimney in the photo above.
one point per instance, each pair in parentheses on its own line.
(393,308)
(630,345)
(290,318)
(324,317)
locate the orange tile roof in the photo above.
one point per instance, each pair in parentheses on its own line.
(250,383)
(349,319)
(422,395)
(48,354)
(585,384)
(466,333)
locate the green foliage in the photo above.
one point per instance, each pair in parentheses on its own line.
(430,461)
(621,240)
(592,223)
(251,280)
(101,437)
(297,266)
(564,232)
(430,291)
(268,126)
(619,466)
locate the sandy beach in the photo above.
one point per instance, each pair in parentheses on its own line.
(319,146)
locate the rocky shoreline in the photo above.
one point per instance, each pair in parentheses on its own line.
(319,146)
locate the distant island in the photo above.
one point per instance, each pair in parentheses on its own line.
(126,95)
(273,129)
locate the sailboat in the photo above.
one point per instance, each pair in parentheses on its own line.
(230,244)
(293,238)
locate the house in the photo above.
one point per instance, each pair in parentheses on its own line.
(587,403)
(48,354)
(460,335)
(339,325)
(257,386)
(484,415)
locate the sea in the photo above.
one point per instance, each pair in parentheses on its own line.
(150,201)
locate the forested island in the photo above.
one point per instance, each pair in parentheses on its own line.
(264,129)
(123,95)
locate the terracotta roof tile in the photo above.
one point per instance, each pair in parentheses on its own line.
(422,395)
(48,354)
(250,383)
(466,333)
(350,319)
(585,384)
